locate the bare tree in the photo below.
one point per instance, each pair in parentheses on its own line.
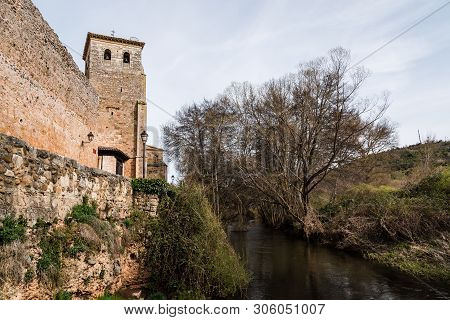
(277,142)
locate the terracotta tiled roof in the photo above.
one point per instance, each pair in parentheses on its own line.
(91,35)
(153,148)
(113,151)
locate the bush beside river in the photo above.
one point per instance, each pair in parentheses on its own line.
(406,228)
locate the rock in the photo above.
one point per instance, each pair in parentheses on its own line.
(116,268)
(2,169)
(17,161)
(91,261)
(9,173)
(48,175)
(7,157)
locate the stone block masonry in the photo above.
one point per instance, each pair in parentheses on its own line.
(42,186)
(38,184)
(44,98)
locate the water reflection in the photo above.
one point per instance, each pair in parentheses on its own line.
(285,268)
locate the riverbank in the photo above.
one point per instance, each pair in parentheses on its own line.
(283,266)
(405,228)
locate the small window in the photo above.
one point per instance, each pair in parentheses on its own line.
(126,57)
(107,55)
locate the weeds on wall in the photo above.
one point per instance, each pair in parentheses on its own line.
(13,256)
(84,232)
(12,229)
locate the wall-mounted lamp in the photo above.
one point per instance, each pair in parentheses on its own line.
(90,137)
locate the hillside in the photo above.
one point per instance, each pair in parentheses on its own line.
(394,168)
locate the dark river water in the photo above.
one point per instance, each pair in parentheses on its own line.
(283,267)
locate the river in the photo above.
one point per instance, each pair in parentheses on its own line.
(283,267)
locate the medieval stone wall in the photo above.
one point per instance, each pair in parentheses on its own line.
(38,184)
(43,187)
(44,98)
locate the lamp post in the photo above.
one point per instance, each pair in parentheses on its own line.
(144,137)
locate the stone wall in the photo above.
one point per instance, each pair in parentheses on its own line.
(44,98)
(43,187)
(36,183)
(148,203)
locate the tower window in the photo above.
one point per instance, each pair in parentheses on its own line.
(107,55)
(126,57)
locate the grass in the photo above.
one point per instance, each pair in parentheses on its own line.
(189,253)
(423,260)
(110,296)
(83,232)
(87,232)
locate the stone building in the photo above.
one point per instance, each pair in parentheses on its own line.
(156,167)
(113,67)
(96,117)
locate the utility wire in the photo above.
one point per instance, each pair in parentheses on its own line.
(401,34)
(356,64)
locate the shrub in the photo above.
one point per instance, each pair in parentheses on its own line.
(436,186)
(189,253)
(79,245)
(63,295)
(12,229)
(28,277)
(84,212)
(153,186)
(366,216)
(14,261)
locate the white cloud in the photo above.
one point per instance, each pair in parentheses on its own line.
(196,48)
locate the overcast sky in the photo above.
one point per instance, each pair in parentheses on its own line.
(195,49)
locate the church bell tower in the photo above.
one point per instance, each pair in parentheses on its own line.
(113,67)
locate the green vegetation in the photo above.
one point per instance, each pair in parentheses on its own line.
(84,231)
(427,260)
(84,212)
(153,186)
(404,228)
(50,263)
(63,295)
(28,277)
(189,253)
(110,296)
(12,229)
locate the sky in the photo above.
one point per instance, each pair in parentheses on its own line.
(195,49)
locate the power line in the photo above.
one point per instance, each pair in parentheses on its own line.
(401,34)
(72,49)
(160,108)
